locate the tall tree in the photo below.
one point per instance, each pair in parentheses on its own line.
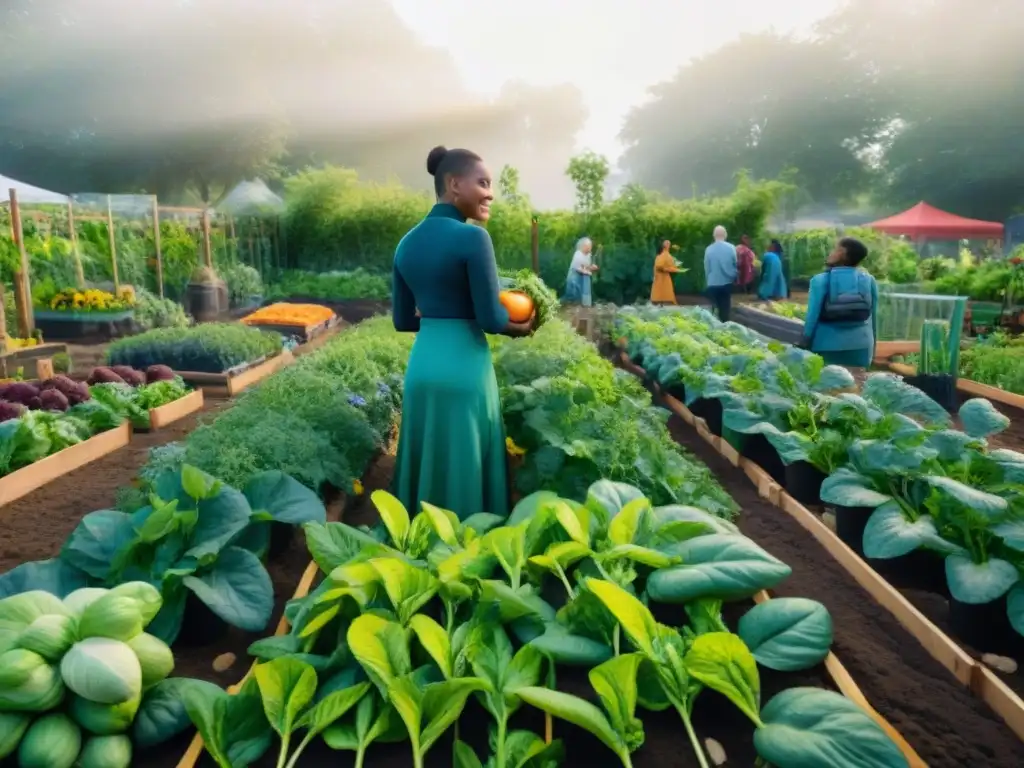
(913,100)
(764,103)
(102,95)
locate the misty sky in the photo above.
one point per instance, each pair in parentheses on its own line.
(611,49)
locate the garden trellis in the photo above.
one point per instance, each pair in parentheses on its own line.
(253,205)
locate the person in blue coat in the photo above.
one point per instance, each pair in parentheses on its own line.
(842,304)
(773,280)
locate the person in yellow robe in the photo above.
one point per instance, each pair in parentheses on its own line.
(662,289)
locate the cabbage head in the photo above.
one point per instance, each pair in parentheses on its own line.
(102,670)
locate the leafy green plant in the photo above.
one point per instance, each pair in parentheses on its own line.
(210,347)
(615,683)
(331,286)
(467,601)
(153,312)
(544,299)
(288,689)
(196,539)
(90,652)
(34,435)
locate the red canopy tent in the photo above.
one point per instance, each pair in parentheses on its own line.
(924,222)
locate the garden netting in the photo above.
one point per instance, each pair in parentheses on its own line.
(902,314)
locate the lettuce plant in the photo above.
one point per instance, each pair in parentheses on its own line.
(197,538)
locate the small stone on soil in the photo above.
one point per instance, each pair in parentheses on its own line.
(224,662)
(1000,663)
(829,519)
(715,751)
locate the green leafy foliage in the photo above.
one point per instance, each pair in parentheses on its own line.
(196,536)
(89,652)
(320,420)
(330,286)
(210,347)
(888,447)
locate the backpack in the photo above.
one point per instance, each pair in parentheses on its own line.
(844,307)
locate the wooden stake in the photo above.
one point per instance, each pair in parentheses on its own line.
(261,238)
(159,253)
(534,246)
(276,237)
(25,317)
(3,322)
(113,245)
(73,235)
(234,241)
(207,254)
(22,287)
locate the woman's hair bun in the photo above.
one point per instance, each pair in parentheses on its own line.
(434,159)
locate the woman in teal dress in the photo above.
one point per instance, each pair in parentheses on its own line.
(842,303)
(451,445)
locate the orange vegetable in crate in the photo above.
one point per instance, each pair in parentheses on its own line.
(518,304)
(282,313)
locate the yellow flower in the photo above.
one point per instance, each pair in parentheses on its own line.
(357,487)
(513,449)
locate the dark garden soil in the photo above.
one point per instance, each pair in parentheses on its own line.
(35,526)
(943,721)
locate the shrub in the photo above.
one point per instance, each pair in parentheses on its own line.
(153,312)
(335,221)
(331,286)
(319,421)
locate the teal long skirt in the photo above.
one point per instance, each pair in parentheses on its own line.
(451,445)
(853,358)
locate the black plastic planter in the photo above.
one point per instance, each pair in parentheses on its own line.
(985,627)
(763,453)
(677,389)
(710,410)
(850,523)
(199,625)
(281,535)
(920,569)
(803,482)
(939,387)
(736,439)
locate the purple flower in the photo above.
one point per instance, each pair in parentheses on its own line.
(356,400)
(383,389)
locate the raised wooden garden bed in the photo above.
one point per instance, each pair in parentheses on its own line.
(28,479)
(27,358)
(968,671)
(303,333)
(236,380)
(72,326)
(172,412)
(768,324)
(968,387)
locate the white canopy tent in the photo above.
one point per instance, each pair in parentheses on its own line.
(29,194)
(251,198)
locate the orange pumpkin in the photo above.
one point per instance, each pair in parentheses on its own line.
(518,304)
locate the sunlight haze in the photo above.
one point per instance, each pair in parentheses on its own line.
(612,50)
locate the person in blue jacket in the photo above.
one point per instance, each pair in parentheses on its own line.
(842,317)
(773,280)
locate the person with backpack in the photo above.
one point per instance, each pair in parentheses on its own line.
(842,318)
